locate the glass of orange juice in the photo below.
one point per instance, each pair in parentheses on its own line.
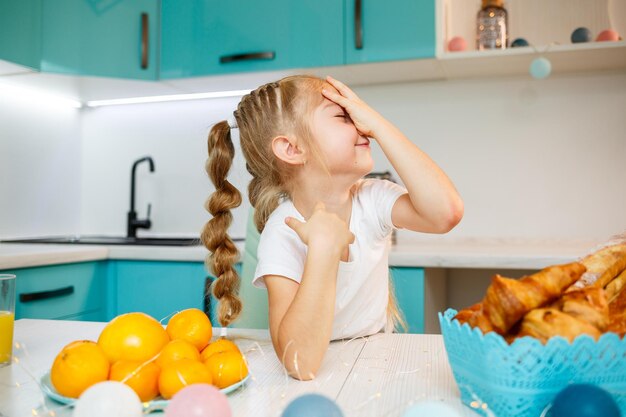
(7,314)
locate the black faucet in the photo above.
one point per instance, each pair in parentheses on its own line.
(133,222)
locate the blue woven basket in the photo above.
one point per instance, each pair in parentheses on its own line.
(521,379)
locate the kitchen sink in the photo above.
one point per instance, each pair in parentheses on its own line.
(112,240)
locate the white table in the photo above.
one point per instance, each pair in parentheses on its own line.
(381,375)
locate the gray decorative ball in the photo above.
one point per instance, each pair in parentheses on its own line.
(581,35)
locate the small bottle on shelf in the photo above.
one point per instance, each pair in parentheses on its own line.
(491,26)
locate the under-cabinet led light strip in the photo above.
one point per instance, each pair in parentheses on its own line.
(173,97)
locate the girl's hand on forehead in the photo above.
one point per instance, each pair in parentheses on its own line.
(365,119)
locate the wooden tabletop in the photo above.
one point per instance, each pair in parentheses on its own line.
(378,376)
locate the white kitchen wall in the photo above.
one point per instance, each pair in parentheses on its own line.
(40,168)
(174,134)
(531,159)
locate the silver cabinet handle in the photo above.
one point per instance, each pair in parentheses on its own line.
(144,41)
(358,24)
(247,57)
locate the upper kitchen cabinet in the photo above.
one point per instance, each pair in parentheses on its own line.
(111,38)
(389,30)
(20,32)
(204,37)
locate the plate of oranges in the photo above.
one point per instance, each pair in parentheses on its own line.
(156,362)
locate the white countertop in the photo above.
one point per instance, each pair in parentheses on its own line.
(429,253)
(379,375)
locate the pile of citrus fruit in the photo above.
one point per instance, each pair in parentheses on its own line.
(134,348)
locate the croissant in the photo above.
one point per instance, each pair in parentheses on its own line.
(587,304)
(602,266)
(617,314)
(508,300)
(614,287)
(543,323)
(475,317)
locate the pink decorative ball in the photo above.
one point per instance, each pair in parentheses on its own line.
(607,35)
(198,400)
(457,44)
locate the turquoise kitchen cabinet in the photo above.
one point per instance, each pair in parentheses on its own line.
(203,37)
(408,286)
(158,288)
(389,30)
(20,32)
(75,291)
(101,38)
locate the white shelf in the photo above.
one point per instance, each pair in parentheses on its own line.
(595,56)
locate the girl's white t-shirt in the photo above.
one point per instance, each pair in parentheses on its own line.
(362,291)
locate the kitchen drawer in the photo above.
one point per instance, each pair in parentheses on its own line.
(61,291)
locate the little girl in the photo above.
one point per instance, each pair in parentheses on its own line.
(325,231)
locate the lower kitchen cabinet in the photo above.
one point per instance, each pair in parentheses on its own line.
(75,291)
(159,288)
(408,286)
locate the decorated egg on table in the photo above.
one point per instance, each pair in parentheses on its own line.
(312,405)
(519,42)
(198,400)
(607,35)
(457,44)
(584,400)
(431,409)
(540,68)
(581,35)
(108,399)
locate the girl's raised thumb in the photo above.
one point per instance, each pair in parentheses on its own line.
(293,223)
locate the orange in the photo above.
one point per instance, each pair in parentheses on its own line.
(134,337)
(227,368)
(144,380)
(175,350)
(220,345)
(178,374)
(78,366)
(191,325)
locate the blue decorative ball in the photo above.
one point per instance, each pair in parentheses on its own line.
(584,400)
(431,409)
(519,42)
(540,68)
(312,405)
(580,35)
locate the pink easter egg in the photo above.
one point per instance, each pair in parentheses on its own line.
(607,35)
(457,44)
(198,400)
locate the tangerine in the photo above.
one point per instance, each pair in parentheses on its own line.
(191,325)
(142,378)
(220,345)
(178,374)
(227,368)
(175,350)
(78,366)
(134,337)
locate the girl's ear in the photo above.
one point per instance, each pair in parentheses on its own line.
(286,149)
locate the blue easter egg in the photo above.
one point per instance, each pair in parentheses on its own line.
(540,68)
(581,35)
(312,405)
(584,400)
(431,409)
(519,42)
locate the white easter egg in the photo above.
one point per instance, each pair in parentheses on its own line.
(108,399)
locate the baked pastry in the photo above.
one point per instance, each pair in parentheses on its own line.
(587,304)
(475,317)
(508,300)
(617,314)
(614,287)
(602,266)
(543,323)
